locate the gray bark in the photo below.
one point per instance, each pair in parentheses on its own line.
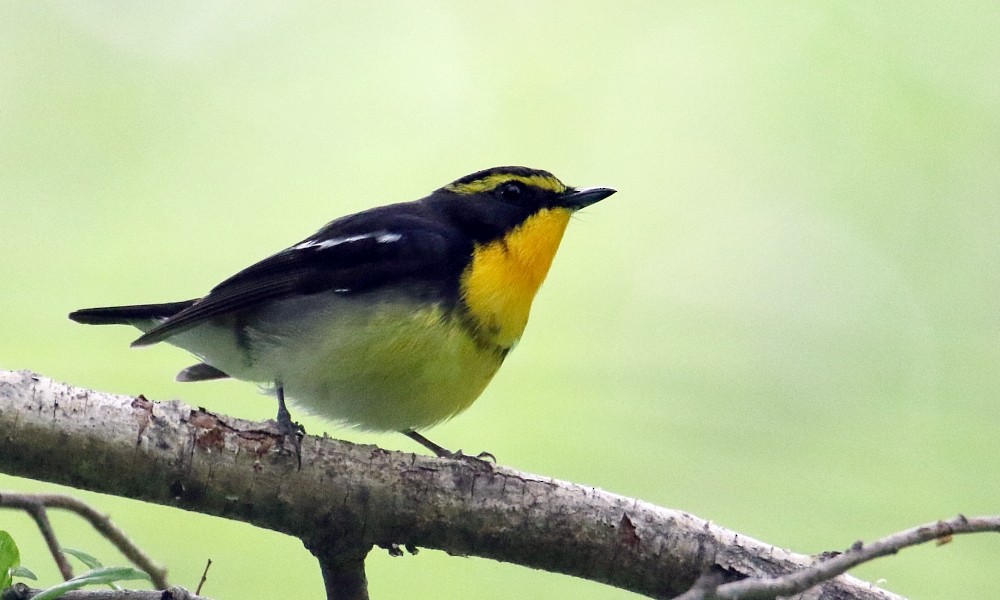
(348,498)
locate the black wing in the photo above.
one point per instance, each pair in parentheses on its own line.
(350,255)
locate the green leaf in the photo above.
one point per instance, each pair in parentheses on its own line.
(83,557)
(101,576)
(10,559)
(24,572)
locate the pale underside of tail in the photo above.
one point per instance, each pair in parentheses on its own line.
(146,316)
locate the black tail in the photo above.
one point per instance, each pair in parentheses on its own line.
(124,315)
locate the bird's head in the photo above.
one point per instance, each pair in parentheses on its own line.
(514,218)
(493,202)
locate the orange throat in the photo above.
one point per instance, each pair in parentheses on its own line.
(503,277)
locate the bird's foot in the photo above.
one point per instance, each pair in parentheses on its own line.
(292,433)
(290,430)
(483,459)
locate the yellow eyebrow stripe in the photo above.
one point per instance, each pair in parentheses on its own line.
(492,182)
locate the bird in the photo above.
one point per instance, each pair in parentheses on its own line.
(391,319)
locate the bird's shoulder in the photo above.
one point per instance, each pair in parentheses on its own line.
(365,249)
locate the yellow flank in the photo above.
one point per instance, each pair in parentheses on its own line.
(503,277)
(492,182)
(397,368)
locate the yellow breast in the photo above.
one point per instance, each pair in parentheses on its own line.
(503,277)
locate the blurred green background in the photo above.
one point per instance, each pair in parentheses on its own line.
(786,321)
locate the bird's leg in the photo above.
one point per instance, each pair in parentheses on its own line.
(442,452)
(291,430)
(438,451)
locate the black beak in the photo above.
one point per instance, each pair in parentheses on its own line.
(576,199)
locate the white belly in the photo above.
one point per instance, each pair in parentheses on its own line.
(375,366)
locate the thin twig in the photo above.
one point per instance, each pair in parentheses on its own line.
(204,576)
(100,522)
(37,511)
(800,581)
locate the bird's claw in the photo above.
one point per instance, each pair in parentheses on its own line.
(293,433)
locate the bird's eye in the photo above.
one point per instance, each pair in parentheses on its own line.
(511,192)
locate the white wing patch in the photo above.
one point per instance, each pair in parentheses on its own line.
(388,238)
(382,237)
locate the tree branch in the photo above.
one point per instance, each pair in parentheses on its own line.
(344,579)
(19,591)
(348,498)
(794,583)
